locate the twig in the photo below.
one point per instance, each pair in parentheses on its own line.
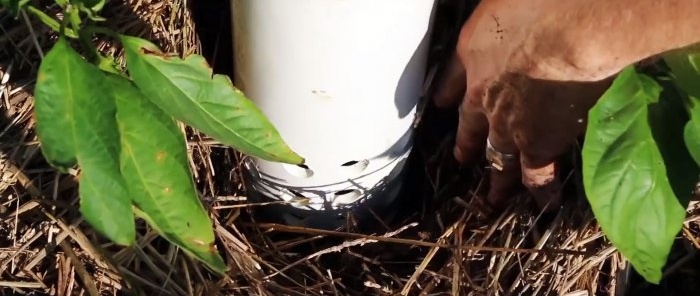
(144,281)
(338,248)
(360,241)
(593,261)
(80,269)
(30,285)
(297,229)
(427,259)
(31,32)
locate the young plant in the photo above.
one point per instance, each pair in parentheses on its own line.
(119,131)
(640,159)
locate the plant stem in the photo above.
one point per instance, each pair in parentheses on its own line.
(105,63)
(84,36)
(101,30)
(50,22)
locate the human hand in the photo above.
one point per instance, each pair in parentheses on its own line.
(524,91)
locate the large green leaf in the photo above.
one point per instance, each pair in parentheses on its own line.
(636,169)
(154,164)
(54,105)
(75,119)
(187,90)
(685,65)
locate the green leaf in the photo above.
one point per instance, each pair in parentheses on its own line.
(54,106)
(14,6)
(94,5)
(691,134)
(91,8)
(155,166)
(187,90)
(105,203)
(686,69)
(632,178)
(50,22)
(75,118)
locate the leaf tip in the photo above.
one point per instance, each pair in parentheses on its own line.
(290,157)
(650,275)
(126,241)
(208,255)
(218,265)
(297,159)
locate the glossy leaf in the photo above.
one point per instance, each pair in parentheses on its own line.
(154,164)
(75,121)
(187,90)
(634,173)
(686,69)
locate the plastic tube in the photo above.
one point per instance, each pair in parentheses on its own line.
(340,79)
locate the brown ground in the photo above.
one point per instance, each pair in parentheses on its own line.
(47,249)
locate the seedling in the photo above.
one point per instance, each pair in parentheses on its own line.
(640,159)
(119,130)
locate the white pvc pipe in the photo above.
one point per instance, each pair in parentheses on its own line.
(340,79)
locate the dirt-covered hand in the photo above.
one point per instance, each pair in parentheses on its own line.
(519,84)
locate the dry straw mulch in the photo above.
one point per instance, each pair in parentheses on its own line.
(434,245)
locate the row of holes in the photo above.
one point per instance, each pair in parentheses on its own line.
(337,193)
(345,196)
(347,164)
(303,171)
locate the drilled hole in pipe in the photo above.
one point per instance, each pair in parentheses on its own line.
(299,170)
(344,192)
(347,196)
(350,163)
(296,193)
(355,166)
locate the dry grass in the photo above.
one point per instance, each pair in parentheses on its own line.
(433,246)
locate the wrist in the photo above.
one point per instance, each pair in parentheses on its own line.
(593,40)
